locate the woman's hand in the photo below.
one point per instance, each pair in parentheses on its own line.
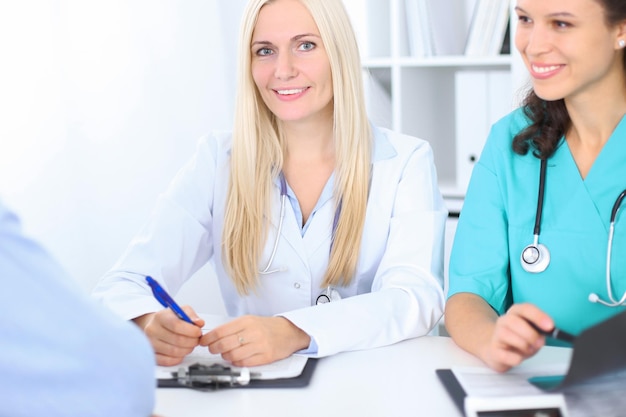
(501,342)
(254,340)
(172,338)
(514,339)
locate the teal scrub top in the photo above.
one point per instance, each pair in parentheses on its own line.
(497,222)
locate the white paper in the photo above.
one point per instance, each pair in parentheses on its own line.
(604,396)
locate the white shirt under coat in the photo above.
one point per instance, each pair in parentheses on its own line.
(397,292)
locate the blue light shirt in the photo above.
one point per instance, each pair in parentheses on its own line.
(62,353)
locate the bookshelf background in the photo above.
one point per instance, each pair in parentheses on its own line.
(449,99)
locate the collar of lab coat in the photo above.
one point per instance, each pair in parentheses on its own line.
(318,233)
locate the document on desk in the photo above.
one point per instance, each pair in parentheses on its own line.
(592,384)
(486,391)
(481,391)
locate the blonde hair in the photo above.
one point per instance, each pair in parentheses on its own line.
(257,153)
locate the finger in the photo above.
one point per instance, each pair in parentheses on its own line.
(502,360)
(228,343)
(514,333)
(164,338)
(221,332)
(534,315)
(245,355)
(168,328)
(197,320)
(509,338)
(164,360)
(170,322)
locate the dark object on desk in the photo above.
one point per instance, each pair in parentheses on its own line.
(204,376)
(454,388)
(543,412)
(555,333)
(211,378)
(512,406)
(598,350)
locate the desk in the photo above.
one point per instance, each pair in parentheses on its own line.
(397,380)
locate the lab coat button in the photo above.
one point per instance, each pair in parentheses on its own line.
(296,285)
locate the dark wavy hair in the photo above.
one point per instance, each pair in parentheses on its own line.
(549,120)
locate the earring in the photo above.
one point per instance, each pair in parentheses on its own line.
(621,43)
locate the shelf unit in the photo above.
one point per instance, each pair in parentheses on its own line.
(451,101)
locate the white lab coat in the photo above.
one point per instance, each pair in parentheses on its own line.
(397,291)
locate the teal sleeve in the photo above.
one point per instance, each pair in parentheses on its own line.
(479,261)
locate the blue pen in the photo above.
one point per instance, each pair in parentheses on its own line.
(168,302)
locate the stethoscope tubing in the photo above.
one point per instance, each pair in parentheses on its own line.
(283,200)
(330,293)
(535,266)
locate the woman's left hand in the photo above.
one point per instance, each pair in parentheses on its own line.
(254,340)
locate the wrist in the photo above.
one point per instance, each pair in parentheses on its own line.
(143,320)
(299,338)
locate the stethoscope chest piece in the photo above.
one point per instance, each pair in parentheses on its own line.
(535,258)
(328,295)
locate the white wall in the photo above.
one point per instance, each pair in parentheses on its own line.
(101,102)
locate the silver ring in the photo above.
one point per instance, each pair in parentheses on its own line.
(241,340)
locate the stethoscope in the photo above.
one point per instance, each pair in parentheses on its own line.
(329,293)
(535,257)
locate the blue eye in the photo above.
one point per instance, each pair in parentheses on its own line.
(307,46)
(264,52)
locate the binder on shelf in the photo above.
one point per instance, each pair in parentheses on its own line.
(481,98)
(471,108)
(505,49)
(478,28)
(500,25)
(426,25)
(370,21)
(488,28)
(450,23)
(488,31)
(414,28)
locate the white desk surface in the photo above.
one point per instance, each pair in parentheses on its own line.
(397,380)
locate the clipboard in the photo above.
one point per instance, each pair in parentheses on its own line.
(226,377)
(212,372)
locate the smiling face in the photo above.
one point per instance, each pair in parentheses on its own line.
(290,66)
(568,48)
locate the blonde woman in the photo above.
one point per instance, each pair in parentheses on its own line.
(326,233)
